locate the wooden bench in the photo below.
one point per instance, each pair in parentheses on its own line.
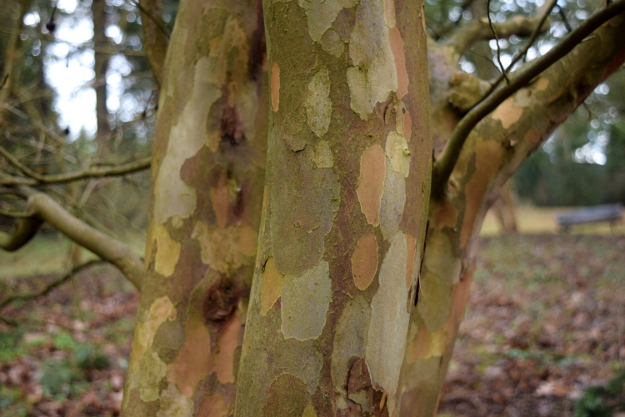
(598,214)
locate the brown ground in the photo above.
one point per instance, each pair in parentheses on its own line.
(545,320)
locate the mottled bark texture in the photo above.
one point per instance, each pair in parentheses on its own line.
(206,201)
(492,152)
(349,159)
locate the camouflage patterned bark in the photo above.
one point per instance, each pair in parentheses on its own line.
(206,200)
(348,177)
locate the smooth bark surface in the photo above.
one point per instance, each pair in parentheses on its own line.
(349,158)
(206,199)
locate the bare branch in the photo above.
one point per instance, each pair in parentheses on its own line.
(43,208)
(54,284)
(492,29)
(89,172)
(444,166)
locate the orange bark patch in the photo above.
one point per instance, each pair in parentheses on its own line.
(248,238)
(371,182)
(223,365)
(193,361)
(459,298)
(213,406)
(488,159)
(507,113)
(270,287)
(407,126)
(397,46)
(411,243)
(532,136)
(542,84)
(275,86)
(445,215)
(219,200)
(365,261)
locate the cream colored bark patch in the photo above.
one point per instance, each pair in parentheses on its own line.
(151,370)
(173,403)
(305,302)
(411,244)
(371,182)
(365,261)
(373,76)
(222,249)
(507,113)
(318,103)
(389,13)
(349,341)
(194,360)
(270,287)
(393,202)
(172,196)
(322,13)
(386,340)
(332,43)
(323,155)
(440,258)
(541,84)
(167,252)
(398,153)
(275,86)
(161,309)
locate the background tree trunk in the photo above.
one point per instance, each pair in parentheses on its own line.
(206,199)
(348,179)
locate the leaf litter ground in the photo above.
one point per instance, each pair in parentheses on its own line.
(545,320)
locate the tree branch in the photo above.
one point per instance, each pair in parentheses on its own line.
(444,166)
(54,284)
(90,172)
(43,208)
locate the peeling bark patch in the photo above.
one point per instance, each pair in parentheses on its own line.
(275,86)
(305,302)
(393,202)
(223,361)
(488,159)
(161,309)
(398,153)
(271,286)
(406,126)
(173,403)
(172,196)
(542,84)
(222,249)
(318,104)
(371,182)
(219,200)
(323,155)
(213,406)
(397,45)
(332,43)
(507,113)
(349,341)
(194,360)
(167,252)
(287,397)
(373,76)
(389,13)
(440,259)
(151,370)
(365,261)
(309,411)
(386,341)
(435,303)
(321,14)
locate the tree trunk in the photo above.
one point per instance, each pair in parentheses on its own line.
(493,151)
(206,200)
(348,179)
(101,63)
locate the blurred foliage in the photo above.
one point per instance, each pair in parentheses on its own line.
(603,401)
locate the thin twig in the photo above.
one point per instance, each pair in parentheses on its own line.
(158,22)
(492,28)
